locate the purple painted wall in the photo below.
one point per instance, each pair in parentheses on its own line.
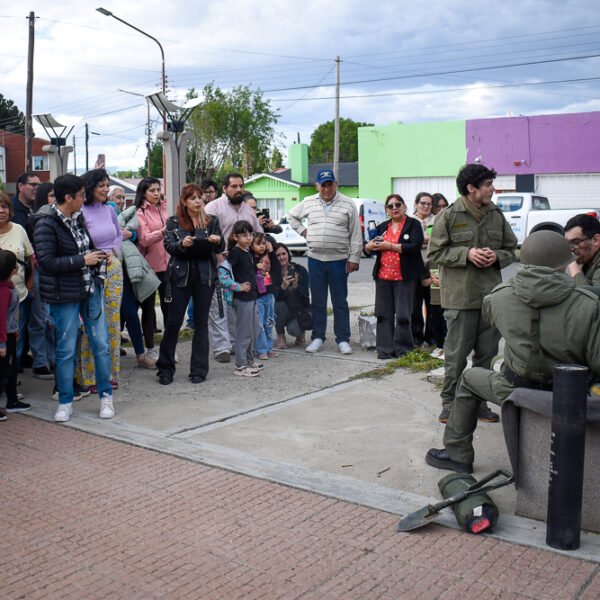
(546,143)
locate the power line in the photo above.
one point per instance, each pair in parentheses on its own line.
(450,72)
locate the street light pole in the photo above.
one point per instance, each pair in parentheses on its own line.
(148,128)
(107,13)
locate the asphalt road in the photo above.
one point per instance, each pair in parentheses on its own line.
(364,274)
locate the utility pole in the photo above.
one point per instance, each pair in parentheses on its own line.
(29,92)
(87,140)
(336,128)
(74,156)
(148,129)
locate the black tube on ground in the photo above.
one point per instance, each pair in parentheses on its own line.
(567,451)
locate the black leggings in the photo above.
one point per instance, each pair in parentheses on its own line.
(148,314)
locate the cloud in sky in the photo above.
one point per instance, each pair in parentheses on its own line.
(406,56)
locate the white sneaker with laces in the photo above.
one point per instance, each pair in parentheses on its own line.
(315,345)
(63,413)
(152,354)
(345,348)
(107,410)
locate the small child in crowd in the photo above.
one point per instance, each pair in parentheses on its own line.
(265,302)
(244,301)
(9,327)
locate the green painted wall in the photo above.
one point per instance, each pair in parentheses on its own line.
(265,187)
(408,150)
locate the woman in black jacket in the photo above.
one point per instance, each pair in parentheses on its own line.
(191,238)
(398,269)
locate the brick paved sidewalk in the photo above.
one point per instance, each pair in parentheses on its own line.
(87,517)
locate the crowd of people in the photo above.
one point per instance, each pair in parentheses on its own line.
(77,267)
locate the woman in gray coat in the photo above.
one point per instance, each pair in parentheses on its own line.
(139,282)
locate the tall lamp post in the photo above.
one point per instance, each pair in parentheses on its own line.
(107,13)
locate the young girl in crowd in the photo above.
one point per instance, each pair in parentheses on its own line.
(265,302)
(244,301)
(9,326)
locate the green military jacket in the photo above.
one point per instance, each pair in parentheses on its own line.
(545,320)
(591,273)
(455,231)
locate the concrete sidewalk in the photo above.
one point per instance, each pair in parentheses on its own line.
(305,423)
(86,517)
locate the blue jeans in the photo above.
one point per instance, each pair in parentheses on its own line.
(66,322)
(332,276)
(32,320)
(265,307)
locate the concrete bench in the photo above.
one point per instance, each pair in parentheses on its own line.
(527,423)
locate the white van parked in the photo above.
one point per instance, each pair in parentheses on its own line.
(370,212)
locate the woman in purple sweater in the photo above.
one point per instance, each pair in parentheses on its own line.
(103,227)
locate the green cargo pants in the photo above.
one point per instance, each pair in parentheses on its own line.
(475,385)
(467,331)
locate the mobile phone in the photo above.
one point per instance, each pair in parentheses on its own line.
(291,270)
(266,213)
(378,239)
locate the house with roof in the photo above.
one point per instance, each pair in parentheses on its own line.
(12,158)
(282,189)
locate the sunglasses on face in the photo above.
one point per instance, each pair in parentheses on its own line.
(395,205)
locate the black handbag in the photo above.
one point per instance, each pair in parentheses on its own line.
(305,319)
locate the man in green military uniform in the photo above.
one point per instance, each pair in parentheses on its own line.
(470,242)
(539,314)
(583,234)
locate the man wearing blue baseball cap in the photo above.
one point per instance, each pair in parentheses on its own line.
(334,248)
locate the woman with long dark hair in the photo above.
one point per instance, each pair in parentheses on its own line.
(191,238)
(103,227)
(152,219)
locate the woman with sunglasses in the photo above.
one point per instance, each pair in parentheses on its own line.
(398,269)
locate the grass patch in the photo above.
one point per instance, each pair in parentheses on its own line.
(416,360)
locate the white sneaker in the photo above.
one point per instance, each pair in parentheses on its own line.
(345,348)
(246,371)
(437,353)
(152,354)
(144,361)
(315,345)
(63,413)
(176,357)
(107,410)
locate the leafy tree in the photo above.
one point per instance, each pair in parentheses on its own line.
(11,118)
(276,159)
(321,141)
(232,128)
(156,162)
(125,174)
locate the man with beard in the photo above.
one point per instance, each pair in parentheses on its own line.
(583,234)
(230,207)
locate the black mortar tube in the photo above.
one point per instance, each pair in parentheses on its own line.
(567,451)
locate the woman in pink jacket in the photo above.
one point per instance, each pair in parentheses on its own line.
(152,217)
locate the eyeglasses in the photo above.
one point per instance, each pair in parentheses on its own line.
(425,203)
(119,197)
(577,242)
(395,205)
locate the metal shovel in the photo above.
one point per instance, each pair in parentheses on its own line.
(429,513)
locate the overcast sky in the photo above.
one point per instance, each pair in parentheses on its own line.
(401,61)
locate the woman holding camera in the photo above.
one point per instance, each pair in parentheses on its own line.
(292,303)
(191,238)
(398,269)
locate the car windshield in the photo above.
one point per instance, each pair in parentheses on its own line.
(510,203)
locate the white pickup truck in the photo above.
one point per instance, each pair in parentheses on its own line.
(527,213)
